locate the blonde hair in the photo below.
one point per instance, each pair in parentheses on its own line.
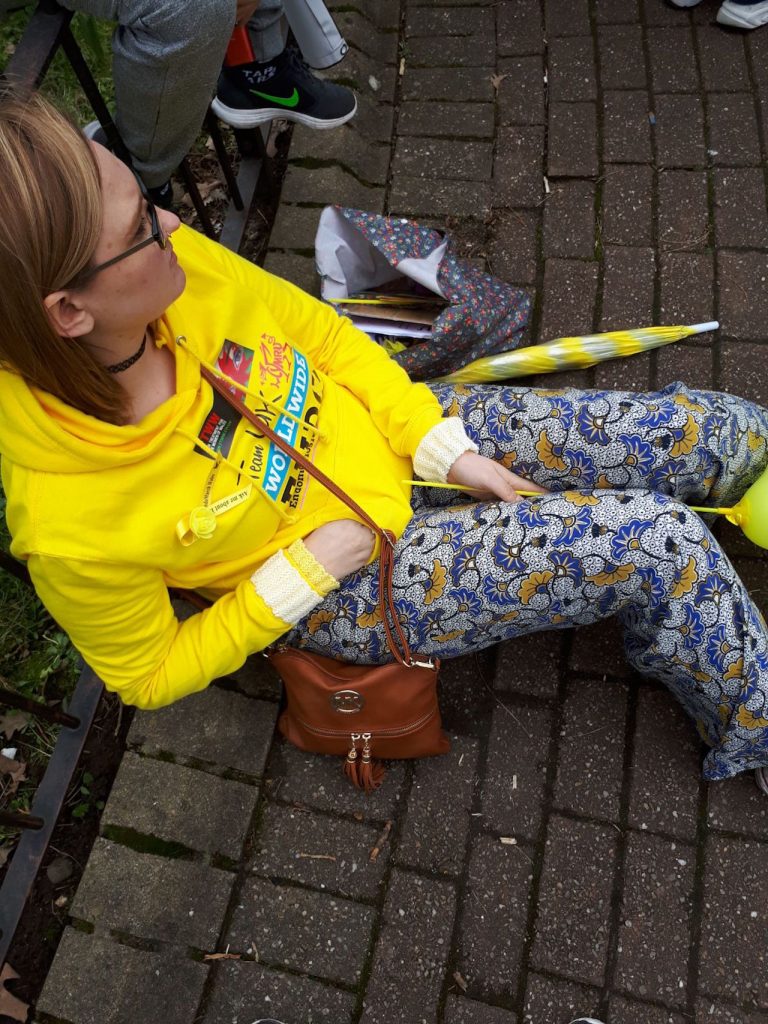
(50,221)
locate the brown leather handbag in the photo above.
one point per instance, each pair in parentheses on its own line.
(390,711)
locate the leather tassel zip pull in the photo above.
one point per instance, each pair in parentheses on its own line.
(371,772)
(360,768)
(351,763)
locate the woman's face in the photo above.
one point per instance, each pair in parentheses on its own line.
(138,289)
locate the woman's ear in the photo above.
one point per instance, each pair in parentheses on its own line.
(67,316)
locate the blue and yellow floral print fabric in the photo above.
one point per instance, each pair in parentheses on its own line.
(614,537)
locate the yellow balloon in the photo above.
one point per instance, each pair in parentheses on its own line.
(751,513)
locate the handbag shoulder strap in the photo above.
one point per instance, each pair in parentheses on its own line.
(386,561)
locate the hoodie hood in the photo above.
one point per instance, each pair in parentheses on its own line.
(78,487)
(39,431)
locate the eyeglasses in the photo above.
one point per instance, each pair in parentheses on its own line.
(156,234)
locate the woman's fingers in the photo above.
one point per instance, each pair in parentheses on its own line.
(506,483)
(521,484)
(487,479)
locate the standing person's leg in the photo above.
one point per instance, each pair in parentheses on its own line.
(313,28)
(278,82)
(267,30)
(315,32)
(166,57)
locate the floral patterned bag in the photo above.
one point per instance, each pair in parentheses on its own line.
(355,250)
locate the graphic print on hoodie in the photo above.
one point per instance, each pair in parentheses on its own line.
(286,393)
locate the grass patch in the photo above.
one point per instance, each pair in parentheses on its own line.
(60,84)
(38,661)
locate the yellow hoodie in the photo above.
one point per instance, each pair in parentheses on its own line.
(108,517)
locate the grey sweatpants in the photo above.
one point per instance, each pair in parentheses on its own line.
(166,57)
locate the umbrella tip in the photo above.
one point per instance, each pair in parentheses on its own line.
(711,325)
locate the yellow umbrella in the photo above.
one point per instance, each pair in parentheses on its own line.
(571,353)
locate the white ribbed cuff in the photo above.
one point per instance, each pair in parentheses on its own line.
(439,449)
(284,590)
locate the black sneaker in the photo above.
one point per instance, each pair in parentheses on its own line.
(252,94)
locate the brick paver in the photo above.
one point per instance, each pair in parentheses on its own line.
(565,858)
(152,897)
(95,979)
(492,926)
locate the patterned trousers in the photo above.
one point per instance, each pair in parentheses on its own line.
(615,537)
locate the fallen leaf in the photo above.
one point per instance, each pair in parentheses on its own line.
(222,956)
(401,69)
(508,841)
(216,195)
(13,722)
(496,81)
(17,771)
(460,981)
(10,1006)
(205,188)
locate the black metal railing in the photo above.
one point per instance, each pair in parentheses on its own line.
(37,826)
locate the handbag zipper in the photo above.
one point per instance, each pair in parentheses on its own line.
(378,734)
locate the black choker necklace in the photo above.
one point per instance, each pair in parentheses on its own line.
(119,367)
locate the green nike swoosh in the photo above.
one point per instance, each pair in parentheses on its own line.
(284,101)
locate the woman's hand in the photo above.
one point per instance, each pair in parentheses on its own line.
(489,479)
(341,547)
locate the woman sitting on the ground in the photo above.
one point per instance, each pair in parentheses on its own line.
(112,444)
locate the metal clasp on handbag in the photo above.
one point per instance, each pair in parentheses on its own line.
(412,663)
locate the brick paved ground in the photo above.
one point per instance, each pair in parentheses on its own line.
(631,890)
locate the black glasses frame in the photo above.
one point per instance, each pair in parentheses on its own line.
(156,234)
